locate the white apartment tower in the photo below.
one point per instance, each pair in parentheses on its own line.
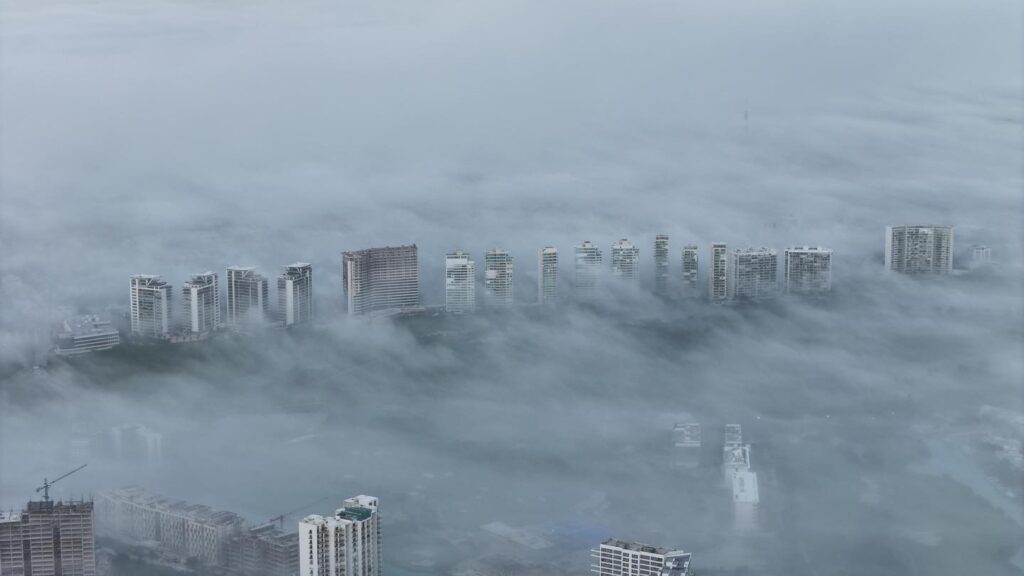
(547,275)
(625,260)
(690,269)
(150,306)
(202,303)
(619,558)
(498,277)
(248,300)
(661,264)
(753,274)
(919,249)
(808,270)
(718,275)
(381,280)
(295,294)
(459,283)
(346,544)
(588,265)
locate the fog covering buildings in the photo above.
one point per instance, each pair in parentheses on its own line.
(48,538)
(690,268)
(248,297)
(625,259)
(913,249)
(499,286)
(151,306)
(176,137)
(381,280)
(588,260)
(295,294)
(547,275)
(753,273)
(459,283)
(201,295)
(807,270)
(84,334)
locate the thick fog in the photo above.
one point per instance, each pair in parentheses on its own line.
(172,138)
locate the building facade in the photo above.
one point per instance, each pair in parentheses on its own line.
(346,544)
(459,283)
(661,268)
(498,278)
(718,274)
(753,274)
(547,275)
(588,265)
(201,295)
(151,310)
(808,270)
(625,260)
(263,551)
(620,558)
(84,334)
(381,280)
(48,539)
(690,269)
(295,294)
(919,249)
(248,297)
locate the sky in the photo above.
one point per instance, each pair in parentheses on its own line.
(174,137)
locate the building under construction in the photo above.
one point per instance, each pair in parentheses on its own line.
(264,550)
(48,539)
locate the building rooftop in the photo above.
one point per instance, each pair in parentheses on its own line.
(733,434)
(687,435)
(87,325)
(744,487)
(636,546)
(677,564)
(354,513)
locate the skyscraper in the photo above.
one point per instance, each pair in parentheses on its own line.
(588,265)
(202,303)
(753,274)
(150,306)
(661,264)
(625,260)
(459,283)
(248,296)
(919,249)
(690,269)
(381,280)
(295,294)
(347,544)
(48,539)
(718,275)
(498,278)
(620,558)
(808,270)
(547,275)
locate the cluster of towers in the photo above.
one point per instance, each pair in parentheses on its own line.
(247,303)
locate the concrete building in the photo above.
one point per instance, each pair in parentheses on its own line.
(295,294)
(808,270)
(626,260)
(687,439)
(381,280)
(547,275)
(498,278)
(619,558)
(661,267)
(459,283)
(911,249)
(84,334)
(718,274)
(48,539)
(180,531)
(201,295)
(588,265)
(745,499)
(150,306)
(690,269)
(735,454)
(263,550)
(753,274)
(346,544)
(248,297)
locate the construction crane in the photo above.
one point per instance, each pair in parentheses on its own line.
(280,518)
(45,488)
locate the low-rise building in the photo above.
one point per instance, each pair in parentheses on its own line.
(84,334)
(620,558)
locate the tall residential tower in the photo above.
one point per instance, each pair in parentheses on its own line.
(718,274)
(202,303)
(295,294)
(690,269)
(459,283)
(381,280)
(498,278)
(248,297)
(150,306)
(753,274)
(625,260)
(661,264)
(808,270)
(919,249)
(547,275)
(588,265)
(346,544)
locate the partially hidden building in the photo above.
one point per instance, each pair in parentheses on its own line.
(690,269)
(808,270)
(201,295)
(547,275)
(498,278)
(459,283)
(48,538)
(718,273)
(620,558)
(295,294)
(151,309)
(345,544)
(588,266)
(661,267)
(753,274)
(625,260)
(248,301)
(919,249)
(84,334)
(381,280)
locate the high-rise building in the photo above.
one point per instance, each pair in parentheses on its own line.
(661,264)
(248,296)
(459,283)
(498,278)
(625,260)
(808,270)
(381,280)
(263,550)
(295,294)
(718,275)
(690,269)
(150,306)
(588,265)
(346,544)
(547,275)
(48,539)
(981,254)
(84,334)
(202,303)
(753,274)
(620,558)
(745,500)
(919,249)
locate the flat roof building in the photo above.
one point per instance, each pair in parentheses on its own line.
(459,283)
(690,269)
(661,268)
(248,297)
(201,295)
(151,310)
(626,260)
(620,558)
(346,544)
(295,294)
(808,270)
(919,249)
(753,274)
(84,334)
(381,280)
(718,274)
(547,275)
(588,266)
(498,278)
(48,539)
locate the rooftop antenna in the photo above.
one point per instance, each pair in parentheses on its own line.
(45,488)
